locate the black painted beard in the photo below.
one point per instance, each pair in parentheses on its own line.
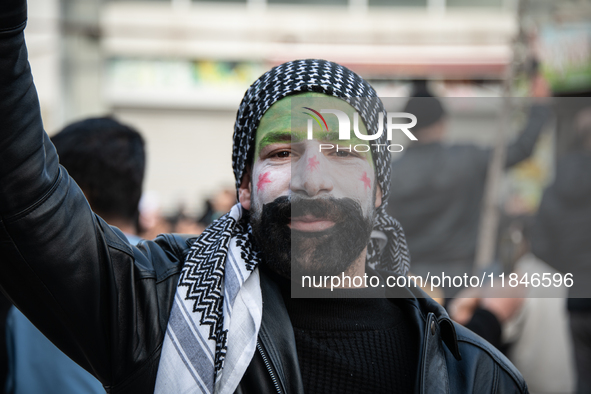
(292,253)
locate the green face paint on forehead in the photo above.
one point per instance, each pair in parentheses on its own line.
(286,123)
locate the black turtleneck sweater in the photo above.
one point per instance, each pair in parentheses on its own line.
(353,345)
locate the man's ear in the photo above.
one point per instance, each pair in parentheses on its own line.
(378,196)
(244,191)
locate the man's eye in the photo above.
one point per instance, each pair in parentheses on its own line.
(283,154)
(343,153)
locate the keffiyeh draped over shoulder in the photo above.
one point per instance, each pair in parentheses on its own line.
(213,327)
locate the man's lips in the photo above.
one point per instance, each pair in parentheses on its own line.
(310,223)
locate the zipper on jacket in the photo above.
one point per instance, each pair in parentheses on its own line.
(269,368)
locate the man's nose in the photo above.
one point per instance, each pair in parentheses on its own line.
(309,174)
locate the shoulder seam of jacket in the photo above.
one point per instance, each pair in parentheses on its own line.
(30,209)
(16,28)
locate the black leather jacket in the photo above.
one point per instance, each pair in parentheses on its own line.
(106,304)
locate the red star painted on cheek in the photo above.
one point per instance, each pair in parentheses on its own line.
(313,163)
(366,181)
(263,178)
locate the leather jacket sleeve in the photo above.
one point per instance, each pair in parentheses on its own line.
(100,300)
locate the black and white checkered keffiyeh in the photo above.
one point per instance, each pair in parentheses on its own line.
(214,322)
(329,78)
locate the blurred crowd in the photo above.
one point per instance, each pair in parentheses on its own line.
(437,194)
(152,221)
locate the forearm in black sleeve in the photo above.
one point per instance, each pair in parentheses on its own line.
(53,254)
(523,146)
(12,14)
(23,155)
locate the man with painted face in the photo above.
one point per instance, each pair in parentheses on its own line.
(213,313)
(312,201)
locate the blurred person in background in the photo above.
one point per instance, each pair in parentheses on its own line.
(214,313)
(485,310)
(562,238)
(107,160)
(151,219)
(519,320)
(437,189)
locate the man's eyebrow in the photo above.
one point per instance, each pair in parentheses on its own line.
(279,136)
(329,136)
(333,136)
